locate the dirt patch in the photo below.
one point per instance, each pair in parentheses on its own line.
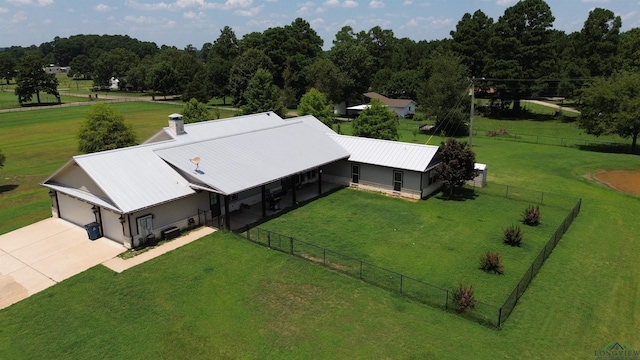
(621,180)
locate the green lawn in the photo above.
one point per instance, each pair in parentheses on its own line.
(224,297)
(435,241)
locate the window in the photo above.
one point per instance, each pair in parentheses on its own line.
(397,181)
(355,174)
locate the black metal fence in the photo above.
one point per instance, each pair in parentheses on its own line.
(550,140)
(418,290)
(384,278)
(518,291)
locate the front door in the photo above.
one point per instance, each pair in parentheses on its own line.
(145,226)
(397,180)
(214,204)
(355,174)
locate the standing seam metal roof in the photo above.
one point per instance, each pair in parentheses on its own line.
(394,154)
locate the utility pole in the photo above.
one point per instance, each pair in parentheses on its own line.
(473,91)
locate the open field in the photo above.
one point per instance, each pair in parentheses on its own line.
(223,297)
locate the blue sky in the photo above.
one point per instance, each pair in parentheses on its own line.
(183,22)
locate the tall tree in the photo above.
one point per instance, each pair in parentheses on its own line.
(243,70)
(104,129)
(81,67)
(163,78)
(115,63)
(598,42)
(470,39)
(262,95)
(445,93)
(612,106)
(458,164)
(353,59)
(195,111)
(522,48)
(376,122)
(325,76)
(630,49)
(8,66)
(32,79)
(315,103)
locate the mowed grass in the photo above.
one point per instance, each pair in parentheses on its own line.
(435,241)
(224,297)
(38,142)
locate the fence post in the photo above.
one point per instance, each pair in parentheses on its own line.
(446,301)
(360,269)
(400,283)
(290,246)
(249,234)
(269,238)
(542,197)
(324,256)
(507,194)
(499,317)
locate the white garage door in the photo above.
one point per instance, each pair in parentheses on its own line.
(111,226)
(75,211)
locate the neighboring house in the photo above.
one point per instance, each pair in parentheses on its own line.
(402,107)
(221,167)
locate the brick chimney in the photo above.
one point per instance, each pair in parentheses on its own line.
(176,124)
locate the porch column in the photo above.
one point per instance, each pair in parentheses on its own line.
(319,181)
(264,201)
(227,215)
(293,187)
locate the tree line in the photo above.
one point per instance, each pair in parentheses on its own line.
(517,56)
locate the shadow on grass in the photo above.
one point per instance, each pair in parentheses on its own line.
(7,188)
(460,194)
(608,148)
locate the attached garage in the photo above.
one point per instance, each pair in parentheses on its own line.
(111,226)
(74,210)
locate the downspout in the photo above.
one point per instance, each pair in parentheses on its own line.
(100,221)
(57,204)
(319,181)
(129,225)
(227,215)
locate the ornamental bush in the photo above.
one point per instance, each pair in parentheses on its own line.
(463,298)
(531,216)
(492,262)
(513,235)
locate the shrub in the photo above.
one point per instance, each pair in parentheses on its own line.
(492,262)
(463,298)
(513,235)
(531,215)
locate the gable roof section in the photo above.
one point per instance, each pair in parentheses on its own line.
(397,103)
(394,154)
(312,121)
(243,161)
(133,178)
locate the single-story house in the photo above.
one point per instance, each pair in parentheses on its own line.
(402,107)
(215,169)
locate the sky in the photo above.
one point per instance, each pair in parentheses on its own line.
(183,22)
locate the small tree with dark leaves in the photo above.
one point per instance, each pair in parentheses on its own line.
(458,164)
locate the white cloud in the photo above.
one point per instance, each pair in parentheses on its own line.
(338,3)
(45,2)
(350,22)
(187,4)
(103,8)
(192,15)
(140,19)
(440,22)
(48,22)
(376,4)
(3,10)
(317,22)
(249,12)
(596,1)
(18,17)
(505,2)
(407,3)
(30,2)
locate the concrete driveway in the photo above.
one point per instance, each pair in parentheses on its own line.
(42,254)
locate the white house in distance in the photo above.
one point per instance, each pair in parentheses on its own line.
(187,174)
(402,107)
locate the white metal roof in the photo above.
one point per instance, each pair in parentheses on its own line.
(312,121)
(83,195)
(399,155)
(239,162)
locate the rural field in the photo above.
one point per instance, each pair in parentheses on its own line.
(225,297)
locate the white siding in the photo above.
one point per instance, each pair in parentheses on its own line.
(111,227)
